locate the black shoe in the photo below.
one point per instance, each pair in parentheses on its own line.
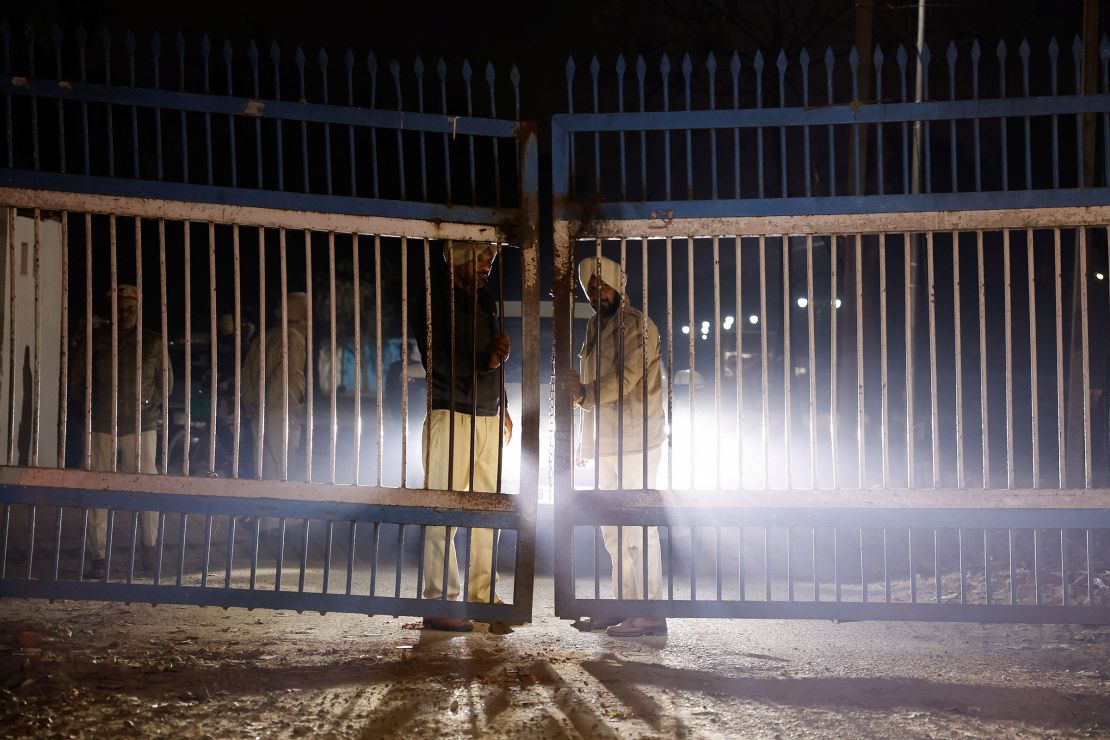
(601,623)
(269,543)
(448,624)
(150,558)
(95,570)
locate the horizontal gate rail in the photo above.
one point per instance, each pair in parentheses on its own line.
(680,223)
(22,483)
(339,205)
(364,217)
(937,211)
(322,572)
(226,569)
(439,123)
(935,110)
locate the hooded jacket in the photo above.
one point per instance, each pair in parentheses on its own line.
(617,373)
(297,319)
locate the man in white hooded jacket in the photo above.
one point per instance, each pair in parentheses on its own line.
(620,392)
(281,390)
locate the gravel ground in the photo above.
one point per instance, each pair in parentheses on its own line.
(82,669)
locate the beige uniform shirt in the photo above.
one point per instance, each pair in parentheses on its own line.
(623,368)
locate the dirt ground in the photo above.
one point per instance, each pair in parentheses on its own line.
(93,670)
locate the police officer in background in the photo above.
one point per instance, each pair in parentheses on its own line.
(119,449)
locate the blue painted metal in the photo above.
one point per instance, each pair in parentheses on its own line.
(1104,54)
(261,198)
(133,588)
(395,71)
(757,65)
(711,71)
(666,210)
(612,507)
(5,38)
(594,68)
(620,69)
(976,54)
(930,110)
(853,65)
(710,212)
(441,73)
(830,60)
(665,72)
(180,45)
(467,74)
(193,100)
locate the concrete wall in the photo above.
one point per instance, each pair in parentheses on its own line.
(17,300)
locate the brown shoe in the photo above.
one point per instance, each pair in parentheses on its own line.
(150,558)
(601,623)
(638,627)
(448,624)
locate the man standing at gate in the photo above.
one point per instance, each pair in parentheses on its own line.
(279,391)
(107,441)
(467,397)
(620,392)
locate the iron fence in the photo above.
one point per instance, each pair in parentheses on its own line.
(256,209)
(881,394)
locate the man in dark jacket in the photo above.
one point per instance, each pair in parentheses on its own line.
(467,396)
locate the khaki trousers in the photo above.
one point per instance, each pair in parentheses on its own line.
(629,557)
(272,447)
(437,453)
(102,461)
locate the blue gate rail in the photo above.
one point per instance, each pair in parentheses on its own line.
(882,563)
(588,184)
(267,146)
(24,574)
(822,135)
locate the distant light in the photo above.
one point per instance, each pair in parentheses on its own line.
(803,302)
(1099,276)
(728,323)
(730,319)
(705,336)
(838,303)
(685,330)
(704,326)
(753,319)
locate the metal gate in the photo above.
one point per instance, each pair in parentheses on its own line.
(214,208)
(881,336)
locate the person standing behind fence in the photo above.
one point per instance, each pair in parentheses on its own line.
(618,379)
(278,458)
(103,448)
(467,351)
